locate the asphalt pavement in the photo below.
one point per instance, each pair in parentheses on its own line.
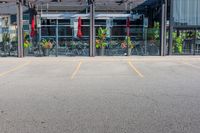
(100,95)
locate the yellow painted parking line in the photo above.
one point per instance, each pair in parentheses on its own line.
(135,69)
(188,64)
(14,69)
(76,70)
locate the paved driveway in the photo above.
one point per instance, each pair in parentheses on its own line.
(100,95)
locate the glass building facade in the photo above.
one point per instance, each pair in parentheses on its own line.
(64,32)
(148,28)
(145,40)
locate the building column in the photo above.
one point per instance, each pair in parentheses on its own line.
(20,29)
(92,30)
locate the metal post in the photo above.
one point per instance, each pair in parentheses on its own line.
(40,33)
(19,29)
(171,24)
(145,40)
(145,30)
(163,28)
(39,26)
(195,41)
(56,37)
(92,30)
(38,42)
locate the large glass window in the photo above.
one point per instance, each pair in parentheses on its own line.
(116,41)
(64,30)
(86,31)
(186,41)
(64,22)
(48,30)
(152,42)
(141,40)
(68,42)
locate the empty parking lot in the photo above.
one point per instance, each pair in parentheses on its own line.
(100,95)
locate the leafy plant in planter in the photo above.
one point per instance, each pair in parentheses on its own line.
(101,40)
(179,44)
(6,38)
(198,35)
(178,40)
(154,33)
(198,39)
(190,35)
(100,44)
(128,43)
(73,44)
(46,45)
(26,45)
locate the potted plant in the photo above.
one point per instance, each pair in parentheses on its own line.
(178,41)
(154,34)
(26,46)
(46,45)
(128,43)
(101,41)
(6,40)
(179,44)
(190,35)
(198,37)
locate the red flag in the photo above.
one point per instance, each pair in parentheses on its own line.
(79,33)
(33,27)
(128,26)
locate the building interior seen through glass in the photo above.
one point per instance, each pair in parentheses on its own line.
(135,30)
(186,41)
(142,39)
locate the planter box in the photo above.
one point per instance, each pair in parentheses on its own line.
(26,51)
(46,52)
(129,51)
(100,52)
